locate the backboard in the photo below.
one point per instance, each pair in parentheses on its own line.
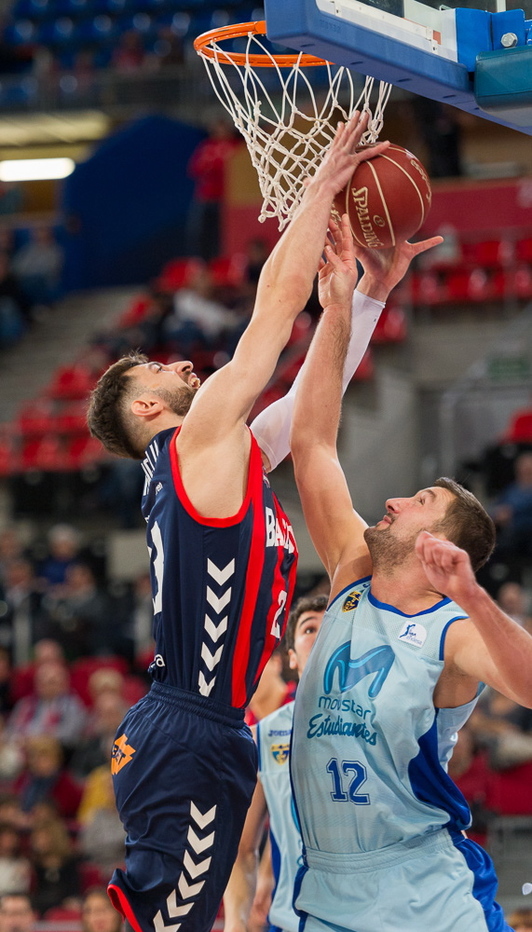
(475,58)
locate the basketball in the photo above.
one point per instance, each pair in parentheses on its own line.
(387,199)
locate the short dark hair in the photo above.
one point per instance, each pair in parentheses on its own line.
(307,603)
(106,416)
(466,523)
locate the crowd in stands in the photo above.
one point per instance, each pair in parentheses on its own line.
(30,278)
(66,681)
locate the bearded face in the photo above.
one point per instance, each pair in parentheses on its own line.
(178,399)
(387,551)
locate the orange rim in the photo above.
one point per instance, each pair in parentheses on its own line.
(202,46)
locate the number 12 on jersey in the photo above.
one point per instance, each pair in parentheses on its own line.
(348,776)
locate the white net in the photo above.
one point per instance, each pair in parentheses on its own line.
(286,122)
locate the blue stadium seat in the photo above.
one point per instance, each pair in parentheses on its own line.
(20,32)
(57,32)
(34,9)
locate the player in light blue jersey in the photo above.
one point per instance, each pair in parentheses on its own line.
(273,796)
(407,642)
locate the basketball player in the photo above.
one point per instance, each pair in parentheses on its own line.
(223,562)
(407,642)
(273,795)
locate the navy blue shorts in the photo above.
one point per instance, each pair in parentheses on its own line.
(184,770)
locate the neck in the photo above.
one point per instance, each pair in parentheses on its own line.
(407,590)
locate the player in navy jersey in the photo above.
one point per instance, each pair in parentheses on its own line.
(223,563)
(405,647)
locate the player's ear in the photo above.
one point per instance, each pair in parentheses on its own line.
(292,660)
(147,406)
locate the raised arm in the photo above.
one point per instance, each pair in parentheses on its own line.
(488,646)
(284,287)
(382,271)
(336,529)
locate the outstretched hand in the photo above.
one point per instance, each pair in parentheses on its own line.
(342,157)
(447,567)
(338,272)
(385,268)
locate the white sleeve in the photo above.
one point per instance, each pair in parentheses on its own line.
(271,427)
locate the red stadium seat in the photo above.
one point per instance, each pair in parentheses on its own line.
(135,312)
(523,250)
(44,455)
(35,418)
(228,271)
(71,417)
(9,452)
(177,274)
(71,382)
(391,327)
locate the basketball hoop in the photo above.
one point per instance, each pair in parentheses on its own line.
(286,122)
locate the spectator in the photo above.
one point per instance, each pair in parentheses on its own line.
(78,614)
(24,620)
(98,914)
(15,868)
(504,728)
(128,55)
(520,920)
(45,777)
(64,546)
(6,675)
(16,913)
(167,50)
(52,709)
(198,321)
(11,548)
(38,266)
(101,835)
(44,650)
(514,600)
(470,769)
(207,167)
(57,880)
(95,749)
(11,758)
(512,512)
(15,309)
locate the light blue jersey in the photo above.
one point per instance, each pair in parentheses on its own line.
(369,773)
(273,741)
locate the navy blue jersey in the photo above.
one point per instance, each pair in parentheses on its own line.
(222,587)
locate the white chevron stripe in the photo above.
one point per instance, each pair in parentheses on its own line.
(195,870)
(188,890)
(218,604)
(173,909)
(215,631)
(220,575)
(211,660)
(202,819)
(160,926)
(199,844)
(204,687)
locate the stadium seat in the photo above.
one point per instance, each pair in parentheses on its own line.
(72,382)
(9,452)
(523,250)
(46,454)
(391,326)
(83,451)
(82,669)
(71,419)
(35,418)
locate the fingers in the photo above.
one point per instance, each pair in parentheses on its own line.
(426,244)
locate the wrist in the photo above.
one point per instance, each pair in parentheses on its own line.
(373,287)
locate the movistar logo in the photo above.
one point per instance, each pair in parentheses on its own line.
(352,670)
